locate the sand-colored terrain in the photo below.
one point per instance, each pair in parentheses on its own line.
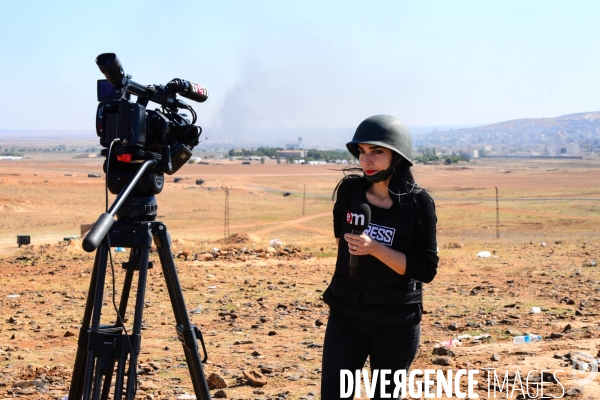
(265,313)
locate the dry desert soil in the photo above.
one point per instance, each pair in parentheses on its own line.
(261,312)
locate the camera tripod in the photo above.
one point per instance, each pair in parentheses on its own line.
(101,348)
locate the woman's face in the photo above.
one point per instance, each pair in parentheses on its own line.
(374,158)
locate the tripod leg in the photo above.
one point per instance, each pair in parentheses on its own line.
(119,322)
(106,385)
(188,335)
(76,389)
(120,377)
(97,379)
(125,296)
(95,328)
(139,310)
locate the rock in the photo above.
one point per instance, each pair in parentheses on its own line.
(272,333)
(442,351)
(495,357)
(25,391)
(269,369)
(556,335)
(220,395)
(444,361)
(255,378)
(293,378)
(577,390)
(454,326)
(567,328)
(155,365)
(26,384)
(148,385)
(319,323)
(216,381)
(69,334)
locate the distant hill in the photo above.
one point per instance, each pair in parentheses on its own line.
(574,131)
(564,121)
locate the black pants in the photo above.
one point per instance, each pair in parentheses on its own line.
(349,341)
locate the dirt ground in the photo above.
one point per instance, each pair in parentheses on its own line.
(262,312)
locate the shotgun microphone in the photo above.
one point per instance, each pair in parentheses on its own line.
(187,89)
(358,217)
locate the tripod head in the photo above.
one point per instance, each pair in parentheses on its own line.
(106,220)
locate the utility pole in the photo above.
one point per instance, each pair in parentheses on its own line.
(497,216)
(304,200)
(226,222)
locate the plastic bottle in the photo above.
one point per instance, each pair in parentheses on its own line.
(526,339)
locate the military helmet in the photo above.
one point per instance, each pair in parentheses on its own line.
(385,131)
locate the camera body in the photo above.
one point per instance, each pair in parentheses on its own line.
(132,134)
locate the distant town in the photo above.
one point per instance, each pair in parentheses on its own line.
(567,136)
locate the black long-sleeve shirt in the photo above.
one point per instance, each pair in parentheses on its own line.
(409,228)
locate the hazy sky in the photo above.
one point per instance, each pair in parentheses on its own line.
(273,65)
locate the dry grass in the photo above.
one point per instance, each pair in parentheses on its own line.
(53,283)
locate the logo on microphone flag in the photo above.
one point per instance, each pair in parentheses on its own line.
(355,219)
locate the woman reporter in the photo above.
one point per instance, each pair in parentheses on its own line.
(377,312)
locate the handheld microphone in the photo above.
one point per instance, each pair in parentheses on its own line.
(188,89)
(358,217)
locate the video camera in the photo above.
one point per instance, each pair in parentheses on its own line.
(131,134)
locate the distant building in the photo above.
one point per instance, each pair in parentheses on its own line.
(291,153)
(295,146)
(571,149)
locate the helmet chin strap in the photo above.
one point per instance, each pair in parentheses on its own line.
(383,175)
